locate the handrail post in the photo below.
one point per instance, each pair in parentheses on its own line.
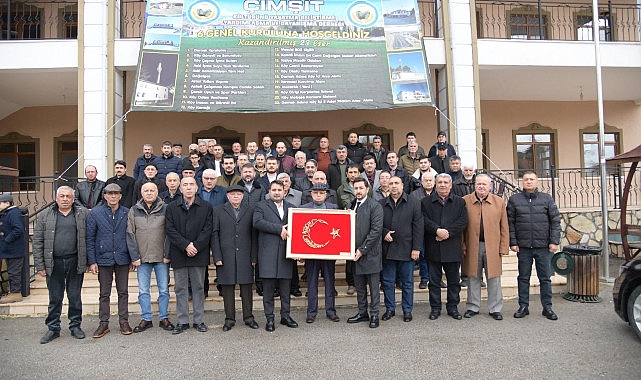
(553,180)
(540,20)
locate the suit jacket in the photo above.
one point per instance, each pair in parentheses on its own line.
(271,248)
(235,243)
(184,226)
(369,231)
(406,220)
(496,232)
(450,215)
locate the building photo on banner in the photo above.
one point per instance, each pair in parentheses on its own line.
(252,56)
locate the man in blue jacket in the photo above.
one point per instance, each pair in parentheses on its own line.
(12,246)
(107,254)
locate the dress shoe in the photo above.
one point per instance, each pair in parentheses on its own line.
(165,324)
(464,282)
(358,318)
(143,325)
(549,314)
(77,333)
(434,314)
(201,327)
(310,319)
(228,325)
(373,322)
(470,313)
(522,312)
(407,316)
(333,318)
(252,324)
(125,329)
(180,327)
(269,326)
(11,298)
(351,290)
(49,336)
(497,316)
(388,315)
(422,285)
(102,329)
(289,322)
(296,293)
(259,291)
(276,293)
(455,314)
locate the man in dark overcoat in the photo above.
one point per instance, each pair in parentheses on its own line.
(270,219)
(445,219)
(368,257)
(234,247)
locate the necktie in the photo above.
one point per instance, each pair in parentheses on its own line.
(358,204)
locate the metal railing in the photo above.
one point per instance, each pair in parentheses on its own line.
(548,20)
(37,20)
(575,188)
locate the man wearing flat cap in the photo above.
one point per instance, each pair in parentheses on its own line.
(235,251)
(313,267)
(108,256)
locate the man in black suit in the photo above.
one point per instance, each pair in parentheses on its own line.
(368,257)
(270,219)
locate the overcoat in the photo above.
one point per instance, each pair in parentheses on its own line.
(496,234)
(235,243)
(369,232)
(184,226)
(12,241)
(406,220)
(450,215)
(271,248)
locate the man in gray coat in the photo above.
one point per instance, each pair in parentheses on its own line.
(270,219)
(60,255)
(234,247)
(368,257)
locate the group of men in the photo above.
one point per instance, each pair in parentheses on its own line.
(180,212)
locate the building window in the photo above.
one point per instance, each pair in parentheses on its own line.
(19,155)
(535,150)
(590,146)
(528,26)
(366,134)
(69,19)
(583,24)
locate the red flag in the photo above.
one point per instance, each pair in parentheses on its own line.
(321,234)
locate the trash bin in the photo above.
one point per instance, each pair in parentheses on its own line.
(583,280)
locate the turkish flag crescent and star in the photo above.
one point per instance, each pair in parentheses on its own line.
(320,233)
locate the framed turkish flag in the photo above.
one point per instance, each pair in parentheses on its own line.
(321,234)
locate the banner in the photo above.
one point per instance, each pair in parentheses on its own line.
(321,234)
(281,56)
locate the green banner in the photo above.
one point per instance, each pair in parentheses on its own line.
(281,56)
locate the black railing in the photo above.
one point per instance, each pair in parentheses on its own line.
(547,20)
(575,188)
(24,20)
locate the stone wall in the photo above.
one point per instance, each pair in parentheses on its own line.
(585,227)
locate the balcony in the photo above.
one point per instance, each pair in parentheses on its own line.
(539,20)
(38,20)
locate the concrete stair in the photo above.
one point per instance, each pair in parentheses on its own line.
(37,302)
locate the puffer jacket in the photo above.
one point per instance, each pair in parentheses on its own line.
(146,232)
(107,236)
(45,231)
(533,219)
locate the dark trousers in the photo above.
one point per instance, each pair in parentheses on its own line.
(295,284)
(452,274)
(269,285)
(542,259)
(106,278)
(257,279)
(361,281)
(229,300)
(14,271)
(313,267)
(350,268)
(64,277)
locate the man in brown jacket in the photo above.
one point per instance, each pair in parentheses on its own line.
(485,240)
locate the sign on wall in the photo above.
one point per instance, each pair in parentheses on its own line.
(281,56)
